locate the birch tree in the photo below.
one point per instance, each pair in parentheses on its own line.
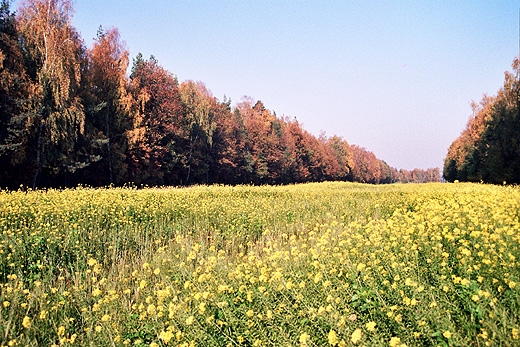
(55,52)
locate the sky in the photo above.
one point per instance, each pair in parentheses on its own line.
(395,77)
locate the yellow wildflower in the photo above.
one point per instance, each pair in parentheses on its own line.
(371,326)
(304,337)
(166,336)
(26,322)
(394,341)
(333,338)
(61,330)
(356,336)
(190,320)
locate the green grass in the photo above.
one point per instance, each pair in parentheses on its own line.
(301,265)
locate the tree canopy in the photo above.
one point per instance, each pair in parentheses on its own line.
(488,150)
(71,114)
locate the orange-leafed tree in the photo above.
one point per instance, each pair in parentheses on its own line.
(343,153)
(109,106)
(366,166)
(489,147)
(154,152)
(229,146)
(314,155)
(257,122)
(462,160)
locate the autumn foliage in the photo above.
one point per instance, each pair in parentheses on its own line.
(488,150)
(72,115)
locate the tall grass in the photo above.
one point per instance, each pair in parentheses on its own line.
(304,265)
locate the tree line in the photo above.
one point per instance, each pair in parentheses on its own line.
(71,114)
(488,150)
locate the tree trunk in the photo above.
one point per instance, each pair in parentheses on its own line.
(192,141)
(110,175)
(189,162)
(38,154)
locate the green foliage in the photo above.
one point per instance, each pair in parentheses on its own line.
(71,115)
(15,99)
(337,264)
(488,150)
(54,49)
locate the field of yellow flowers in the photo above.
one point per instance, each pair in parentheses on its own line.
(329,264)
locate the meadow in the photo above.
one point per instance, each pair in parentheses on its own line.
(329,264)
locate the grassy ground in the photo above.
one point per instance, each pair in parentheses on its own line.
(331,264)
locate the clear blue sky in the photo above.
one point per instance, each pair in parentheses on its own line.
(395,77)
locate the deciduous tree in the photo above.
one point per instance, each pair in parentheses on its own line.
(155,149)
(199,107)
(366,166)
(489,147)
(109,106)
(229,146)
(15,98)
(55,52)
